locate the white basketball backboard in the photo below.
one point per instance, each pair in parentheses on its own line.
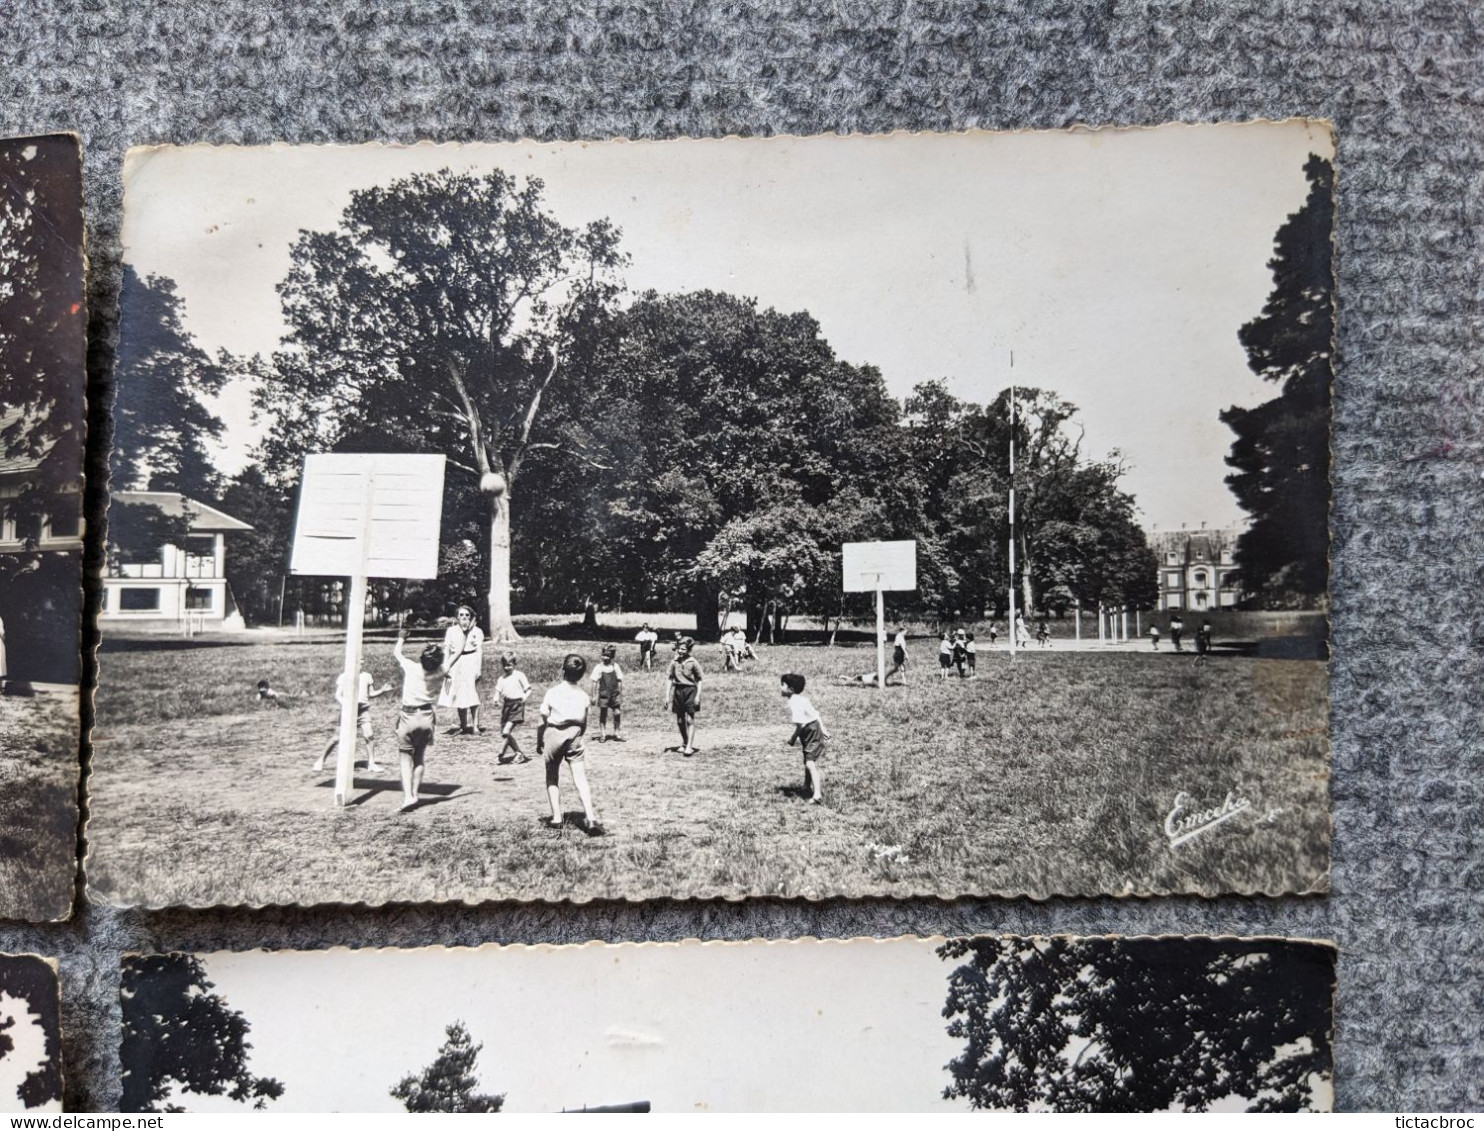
(369,515)
(869,566)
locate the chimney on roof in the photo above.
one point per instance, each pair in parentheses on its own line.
(1203,524)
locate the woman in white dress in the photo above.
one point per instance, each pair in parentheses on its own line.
(463,651)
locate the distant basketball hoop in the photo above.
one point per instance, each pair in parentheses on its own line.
(869,567)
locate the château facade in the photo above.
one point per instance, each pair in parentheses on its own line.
(1197,569)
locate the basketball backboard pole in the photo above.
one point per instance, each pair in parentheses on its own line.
(876,567)
(364,515)
(355,624)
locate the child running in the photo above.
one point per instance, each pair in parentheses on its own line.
(559,739)
(422,679)
(684,697)
(808,732)
(365,692)
(608,686)
(511,690)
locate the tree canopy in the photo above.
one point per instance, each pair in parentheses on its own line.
(1103,1024)
(448,1084)
(176,1031)
(1280,457)
(439,316)
(29,980)
(42,316)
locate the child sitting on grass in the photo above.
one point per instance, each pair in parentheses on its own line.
(365,692)
(608,686)
(559,739)
(808,732)
(511,690)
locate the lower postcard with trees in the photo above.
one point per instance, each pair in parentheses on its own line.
(1084,374)
(996,1023)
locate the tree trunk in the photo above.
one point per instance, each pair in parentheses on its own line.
(708,611)
(502,626)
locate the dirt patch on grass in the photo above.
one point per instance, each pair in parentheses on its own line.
(1051,776)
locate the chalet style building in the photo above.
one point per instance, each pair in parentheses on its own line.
(178,586)
(1197,569)
(40,573)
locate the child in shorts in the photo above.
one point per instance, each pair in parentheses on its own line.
(365,692)
(945,655)
(559,739)
(971,653)
(685,693)
(511,690)
(422,680)
(608,689)
(808,732)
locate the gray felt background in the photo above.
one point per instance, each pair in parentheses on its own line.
(1404,84)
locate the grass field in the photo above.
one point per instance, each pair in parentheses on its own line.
(38,805)
(1051,776)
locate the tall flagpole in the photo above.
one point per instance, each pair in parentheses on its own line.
(1012,633)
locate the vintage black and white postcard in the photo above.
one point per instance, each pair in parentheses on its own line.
(30,1034)
(43,325)
(922,514)
(1009,1023)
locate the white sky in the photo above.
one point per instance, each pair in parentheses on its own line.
(790,1026)
(1118,265)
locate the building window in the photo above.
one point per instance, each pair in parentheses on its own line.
(65,519)
(1172,558)
(1200,600)
(198,600)
(137,600)
(1173,603)
(1226,557)
(1172,581)
(1198,579)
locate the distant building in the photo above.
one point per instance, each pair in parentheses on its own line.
(179,585)
(61,529)
(1197,569)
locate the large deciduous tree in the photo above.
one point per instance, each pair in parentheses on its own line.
(176,1031)
(1107,1024)
(441,315)
(447,1084)
(718,412)
(42,316)
(1280,455)
(163,423)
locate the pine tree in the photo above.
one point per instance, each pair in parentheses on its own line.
(447,1085)
(1280,455)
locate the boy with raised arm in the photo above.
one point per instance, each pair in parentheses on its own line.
(422,679)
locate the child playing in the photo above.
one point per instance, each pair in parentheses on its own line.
(608,686)
(970,651)
(647,639)
(559,739)
(267,697)
(898,656)
(1154,636)
(1043,634)
(365,692)
(422,679)
(960,653)
(945,655)
(994,633)
(685,693)
(511,690)
(808,732)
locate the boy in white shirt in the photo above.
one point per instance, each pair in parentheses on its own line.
(809,733)
(511,690)
(366,690)
(422,680)
(559,739)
